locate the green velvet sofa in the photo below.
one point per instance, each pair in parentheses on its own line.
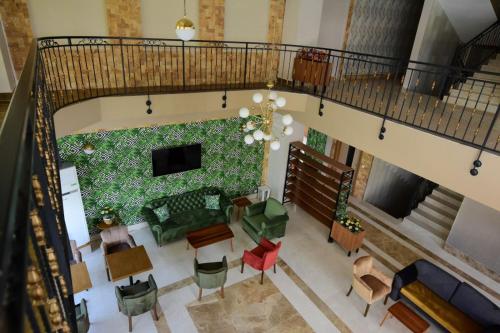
(187,213)
(265,219)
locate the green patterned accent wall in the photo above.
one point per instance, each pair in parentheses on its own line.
(316,140)
(119,172)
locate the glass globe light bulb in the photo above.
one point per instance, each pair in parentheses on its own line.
(257,98)
(184,29)
(273,95)
(258,135)
(287,120)
(288,130)
(275,145)
(244,112)
(250,125)
(248,139)
(281,102)
(268,137)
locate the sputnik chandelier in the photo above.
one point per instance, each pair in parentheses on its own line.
(260,125)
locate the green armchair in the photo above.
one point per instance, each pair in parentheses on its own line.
(265,219)
(82,317)
(210,275)
(137,299)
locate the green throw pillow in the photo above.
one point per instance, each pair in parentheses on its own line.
(162,213)
(212,201)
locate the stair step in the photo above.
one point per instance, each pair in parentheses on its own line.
(455,202)
(476,93)
(429,224)
(491,67)
(447,191)
(474,85)
(442,204)
(436,209)
(486,77)
(439,232)
(443,220)
(488,106)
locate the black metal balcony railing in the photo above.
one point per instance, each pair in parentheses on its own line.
(65,70)
(407,92)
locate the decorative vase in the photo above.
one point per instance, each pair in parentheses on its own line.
(107,220)
(348,240)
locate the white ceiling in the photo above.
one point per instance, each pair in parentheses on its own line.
(469,17)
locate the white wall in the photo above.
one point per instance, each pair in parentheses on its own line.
(333,23)
(159,17)
(277,159)
(4,79)
(67,17)
(475,233)
(246,20)
(302,22)
(469,17)
(436,39)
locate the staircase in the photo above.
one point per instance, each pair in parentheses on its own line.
(467,93)
(437,212)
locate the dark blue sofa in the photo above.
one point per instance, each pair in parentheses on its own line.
(453,304)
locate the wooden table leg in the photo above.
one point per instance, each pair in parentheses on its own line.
(131,280)
(231,242)
(187,245)
(196,253)
(385,317)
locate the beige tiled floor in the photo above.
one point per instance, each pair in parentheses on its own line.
(313,275)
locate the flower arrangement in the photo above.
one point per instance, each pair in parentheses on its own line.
(312,54)
(107,213)
(351,223)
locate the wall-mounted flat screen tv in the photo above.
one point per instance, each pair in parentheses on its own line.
(176,159)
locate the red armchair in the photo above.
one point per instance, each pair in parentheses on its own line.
(262,257)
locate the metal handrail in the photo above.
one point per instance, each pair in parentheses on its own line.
(479,49)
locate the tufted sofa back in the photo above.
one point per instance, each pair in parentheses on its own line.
(185,201)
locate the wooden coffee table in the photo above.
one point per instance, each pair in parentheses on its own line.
(209,235)
(407,317)
(128,262)
(80,277)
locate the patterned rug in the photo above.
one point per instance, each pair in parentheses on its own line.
(247,307)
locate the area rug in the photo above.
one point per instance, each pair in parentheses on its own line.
(247,307)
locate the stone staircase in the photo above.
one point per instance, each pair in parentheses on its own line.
(437,212)
(468,92)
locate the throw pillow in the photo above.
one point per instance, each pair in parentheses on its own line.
(162,213)
(212,201)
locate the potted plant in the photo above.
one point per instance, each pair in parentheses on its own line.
(348,233)
(108,214)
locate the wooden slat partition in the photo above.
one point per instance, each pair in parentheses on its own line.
(315,181)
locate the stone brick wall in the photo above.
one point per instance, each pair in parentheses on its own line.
(211,18)
(124,18)
(17,25)
(276,17)
(362,174)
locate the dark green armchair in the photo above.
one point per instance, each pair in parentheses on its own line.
(82,317)
(210,275)
(265,219)
(137,299)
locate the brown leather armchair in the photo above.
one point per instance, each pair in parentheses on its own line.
(77,255)
(115,239)
(369,283)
